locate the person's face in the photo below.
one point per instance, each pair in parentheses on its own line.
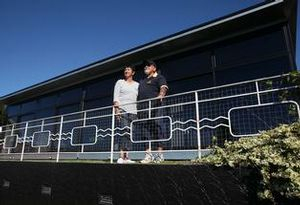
(128,72)
(149,69)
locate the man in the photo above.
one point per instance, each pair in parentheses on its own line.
(153,86)
(125,97)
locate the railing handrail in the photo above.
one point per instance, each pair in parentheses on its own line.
(150,99)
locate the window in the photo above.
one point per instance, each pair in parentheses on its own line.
(92,104)
(45,113)
(70,96)
(68,109)
(100,89)
(99,92)
(252,48)
(47,101)
(252,71)
(13,110)
(28,107)
(194,83)
(96,103)
(189,65)
(27,117)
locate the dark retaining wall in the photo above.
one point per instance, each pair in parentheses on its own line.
(83,183)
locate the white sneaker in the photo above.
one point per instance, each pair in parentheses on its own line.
(159,157)
(128,161)
(125,161)
(120,161)
(148,158)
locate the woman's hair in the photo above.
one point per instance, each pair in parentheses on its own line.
(129,66)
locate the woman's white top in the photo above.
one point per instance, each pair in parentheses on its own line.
(126,94)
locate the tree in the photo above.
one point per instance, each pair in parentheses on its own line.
(3,116)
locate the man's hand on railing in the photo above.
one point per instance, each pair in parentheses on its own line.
(161,97)
(162,92)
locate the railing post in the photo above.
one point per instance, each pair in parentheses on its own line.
(59,137)
(11,133)
(112,136)
(149,116)
(198,125)
(257,92)
(84,122)
(42,129)
(24,142)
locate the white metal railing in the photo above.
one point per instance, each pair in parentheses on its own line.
(184,124)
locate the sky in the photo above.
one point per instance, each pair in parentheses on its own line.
(41,39)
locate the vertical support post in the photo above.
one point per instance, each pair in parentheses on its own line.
(198,125)
(112,136)
(149,116)
(257,93)
(42,129)
(1,130)
(59,137)
(11,133)
(24,142)
(298,109)
(84,123)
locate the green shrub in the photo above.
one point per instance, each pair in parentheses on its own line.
(274,153)
(291,80)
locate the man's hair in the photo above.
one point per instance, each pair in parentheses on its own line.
(129,66)
(149,63)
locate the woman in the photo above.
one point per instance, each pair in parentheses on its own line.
(125,97)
